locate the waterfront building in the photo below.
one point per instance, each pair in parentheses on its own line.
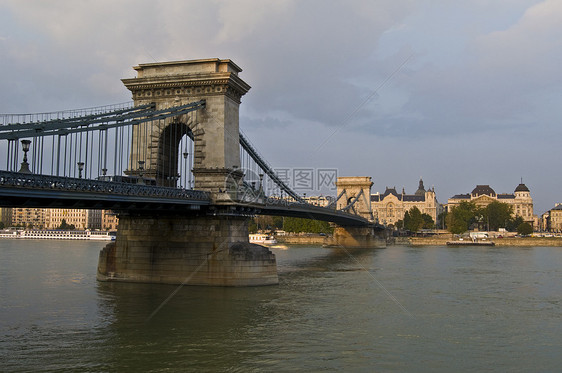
(109,220)
(543,221)
(28,217)
(76,217)
(94,219)
(483,195)
(52,218)
(321,201)
(390,206)
(552,219)
(6,216)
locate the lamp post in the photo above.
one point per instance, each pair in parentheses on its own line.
(24,165)
(261,191)
(141,172)
(185,154)
(80,169)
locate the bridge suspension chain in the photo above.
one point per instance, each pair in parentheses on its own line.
(101,121)
(6,119)
(103,143)
(267,169)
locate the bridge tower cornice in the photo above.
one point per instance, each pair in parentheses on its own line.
(193,79)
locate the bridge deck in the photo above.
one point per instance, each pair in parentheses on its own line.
(41,191)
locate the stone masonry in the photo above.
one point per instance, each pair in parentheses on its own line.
(215,129)
(186,250)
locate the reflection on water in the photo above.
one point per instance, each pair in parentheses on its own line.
(467,310)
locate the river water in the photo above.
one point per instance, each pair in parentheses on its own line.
(399,309)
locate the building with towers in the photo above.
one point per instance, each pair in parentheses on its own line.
(483,195)
(390,206)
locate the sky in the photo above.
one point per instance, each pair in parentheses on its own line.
(459,93)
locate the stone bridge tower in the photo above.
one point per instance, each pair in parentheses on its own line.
(355,187)
(198,247)
(215,131)
(358,189)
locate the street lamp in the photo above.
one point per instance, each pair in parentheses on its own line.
(185,167)
(261,183)
(80,169)
(24,165)
(141,169)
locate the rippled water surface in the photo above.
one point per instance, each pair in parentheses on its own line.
(399,309)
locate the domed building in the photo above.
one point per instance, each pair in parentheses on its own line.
(483,195)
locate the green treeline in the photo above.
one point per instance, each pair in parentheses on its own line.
(294,225)
(492,217)
(297,225)
(414,220)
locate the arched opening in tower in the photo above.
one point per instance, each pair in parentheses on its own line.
(175,156)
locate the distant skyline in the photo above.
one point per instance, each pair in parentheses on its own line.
(460,93)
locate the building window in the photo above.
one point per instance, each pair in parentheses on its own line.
(390,210)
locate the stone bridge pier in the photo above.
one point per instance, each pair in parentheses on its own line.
(186,250)
(204,247)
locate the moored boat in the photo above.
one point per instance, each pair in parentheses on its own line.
(59,235)
(262,239)
(470,243)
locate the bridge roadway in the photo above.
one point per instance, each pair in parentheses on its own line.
(42,191)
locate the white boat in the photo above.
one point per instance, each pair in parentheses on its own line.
(8,234)
(59,235)
(262,239)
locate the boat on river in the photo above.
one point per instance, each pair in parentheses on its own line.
(262,239)
(59,234)
(470,243)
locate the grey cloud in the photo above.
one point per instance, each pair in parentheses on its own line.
(457,104)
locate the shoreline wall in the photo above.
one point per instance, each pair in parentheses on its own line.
(524,241)
(314,239)
(302,239)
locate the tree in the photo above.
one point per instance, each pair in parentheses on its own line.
(442,218)
(513,223)
(524,229)
(496,215)
(64,225)
(265,222)
(252,226)
(413,220)
(428,222)
(461,217)
(298,225)
(278,222)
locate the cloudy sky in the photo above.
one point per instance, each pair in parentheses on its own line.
(457,92)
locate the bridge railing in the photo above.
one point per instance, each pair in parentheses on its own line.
(19,181)
(27,118)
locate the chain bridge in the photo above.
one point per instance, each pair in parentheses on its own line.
(179,172)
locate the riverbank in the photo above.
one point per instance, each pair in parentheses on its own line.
(304,239)
(515,241)
(315,239)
